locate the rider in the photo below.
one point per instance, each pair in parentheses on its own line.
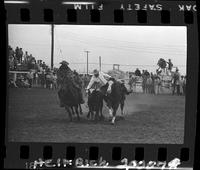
(65,74)
(98,79)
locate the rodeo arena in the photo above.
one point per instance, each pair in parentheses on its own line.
(65,105)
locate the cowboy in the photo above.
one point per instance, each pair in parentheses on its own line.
(176,82)
(170,65)
(65,74)
(98,80)
(30,78)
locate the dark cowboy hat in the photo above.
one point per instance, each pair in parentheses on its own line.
(64,62)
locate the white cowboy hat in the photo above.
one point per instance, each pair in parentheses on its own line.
(96,71)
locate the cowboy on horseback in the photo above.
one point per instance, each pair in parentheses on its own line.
(67,80)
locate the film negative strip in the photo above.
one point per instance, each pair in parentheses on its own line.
(101,84)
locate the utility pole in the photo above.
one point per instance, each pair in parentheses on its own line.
(52,44)
(87,59)
(99,63)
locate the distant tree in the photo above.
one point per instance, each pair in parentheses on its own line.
(162,63)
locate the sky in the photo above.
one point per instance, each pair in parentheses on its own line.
(130,46)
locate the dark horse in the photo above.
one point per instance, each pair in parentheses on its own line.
(71,101)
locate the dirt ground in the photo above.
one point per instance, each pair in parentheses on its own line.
(34,115)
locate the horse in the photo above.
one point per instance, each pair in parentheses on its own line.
(70,101)
(69,94)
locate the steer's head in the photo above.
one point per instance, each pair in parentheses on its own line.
(110,83)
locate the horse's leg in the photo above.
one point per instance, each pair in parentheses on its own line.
(69,112)
(115,107)
(101,110)
(72,109)
(89,113)
(96,114)
(77,113)
(122,107)
(92,114)
(80,108)
(114,116)
(97,110)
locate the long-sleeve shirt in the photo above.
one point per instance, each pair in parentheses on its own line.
(100,80)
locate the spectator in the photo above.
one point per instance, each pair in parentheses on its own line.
(170,65)
(143,72)
(36,79)
(54,81)
(181,85)
(48,80)
(132,83)
(44,65)
(146,73)
(30,78)
(176,82)
(11,57)
(26,57)
(20,55)
(144,84)
(17,55)
(31,62)
(15,63)
(158,71)
(26,82)
(157,85)
(152,85)
(12,83)
(149,85)
(184,85)
(43,79)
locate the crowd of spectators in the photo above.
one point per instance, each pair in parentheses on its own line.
(23,61)
(154,84)
(38,73)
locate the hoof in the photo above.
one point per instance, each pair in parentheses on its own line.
(112,123)
(102,118)
(109,118)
